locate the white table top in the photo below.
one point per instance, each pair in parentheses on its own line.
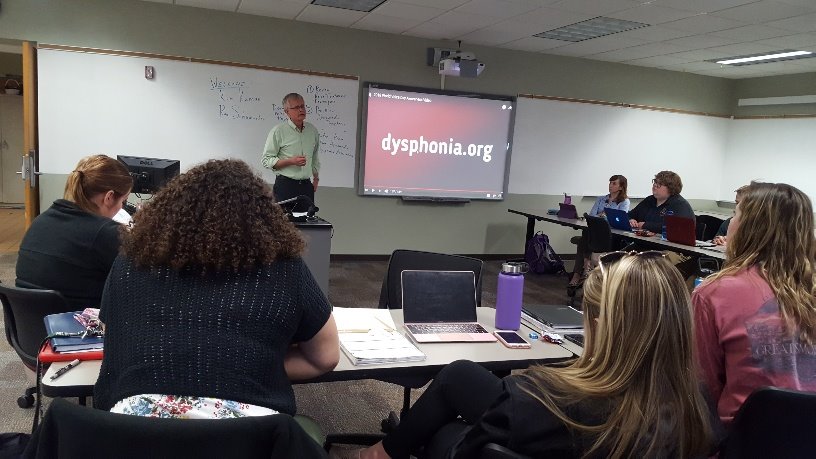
(79,381)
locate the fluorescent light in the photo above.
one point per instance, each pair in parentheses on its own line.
(785,55)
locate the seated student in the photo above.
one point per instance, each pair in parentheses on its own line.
(210,311)
(649,213)
(71,246)
(616,199)
(756,318)
(722,233)
(631,394)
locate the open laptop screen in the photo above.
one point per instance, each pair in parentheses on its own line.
(438,296)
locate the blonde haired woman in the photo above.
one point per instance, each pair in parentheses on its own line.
(756,319)
(71,246)
(633,392)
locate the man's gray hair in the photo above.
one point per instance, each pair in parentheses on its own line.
(291,96)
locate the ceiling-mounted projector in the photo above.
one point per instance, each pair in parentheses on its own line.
(461,64)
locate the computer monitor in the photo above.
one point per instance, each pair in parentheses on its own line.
(150,174)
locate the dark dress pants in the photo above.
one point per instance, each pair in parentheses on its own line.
(462,389)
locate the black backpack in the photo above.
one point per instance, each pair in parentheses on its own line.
(541,257)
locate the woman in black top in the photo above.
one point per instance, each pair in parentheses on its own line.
(665,198)
(71,246)
(633,392)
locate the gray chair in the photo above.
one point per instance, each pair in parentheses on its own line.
(23,312)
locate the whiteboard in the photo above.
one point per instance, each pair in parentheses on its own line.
(571,147)
(191,111)
(771,150)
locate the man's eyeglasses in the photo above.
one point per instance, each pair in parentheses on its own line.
(611,258)
(656,182)
(298,107)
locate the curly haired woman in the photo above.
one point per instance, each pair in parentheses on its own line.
(210,311)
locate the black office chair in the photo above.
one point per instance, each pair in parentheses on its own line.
(391,291)
(391,298)
(70,430)
(712,225)
(773,423)
(599,240)
(23,312)
(494,451)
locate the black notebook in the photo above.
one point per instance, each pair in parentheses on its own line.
(548,317)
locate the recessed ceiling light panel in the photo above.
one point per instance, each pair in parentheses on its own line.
(356,5)
(589,29)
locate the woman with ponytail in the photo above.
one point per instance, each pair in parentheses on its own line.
(71,246)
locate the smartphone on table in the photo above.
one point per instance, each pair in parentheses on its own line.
(511,339)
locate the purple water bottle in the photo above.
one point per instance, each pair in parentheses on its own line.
(508,295)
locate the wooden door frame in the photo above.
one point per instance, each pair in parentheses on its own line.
(32,187)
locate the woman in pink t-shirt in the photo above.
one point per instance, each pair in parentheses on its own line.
(756,319)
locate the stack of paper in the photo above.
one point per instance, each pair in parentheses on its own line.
(368,337)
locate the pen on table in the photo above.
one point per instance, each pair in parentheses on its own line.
(65,369)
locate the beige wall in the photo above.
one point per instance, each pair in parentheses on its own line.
(367,225)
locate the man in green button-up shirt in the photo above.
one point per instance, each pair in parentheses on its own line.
(291,152)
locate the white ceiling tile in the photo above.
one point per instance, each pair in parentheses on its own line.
(703,23)
(331,16)
(654,33)
(697,55)
(741,49)
(599,45)
(804,23)
(534,44)
(522,26)
(637,52)
(797,41)
(595,7)
(655,61)
(435,31)
(751,32)
(464,22)
(551,18)
(492,36)
(762,11)
(279,9)
(224,5)
(495,8)
(700,41)
(441,4)
(387,24)
(407,11)
(702,6)
(651,14)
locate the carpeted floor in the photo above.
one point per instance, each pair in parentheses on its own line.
(357,406)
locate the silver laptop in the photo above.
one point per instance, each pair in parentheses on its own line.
(440,307)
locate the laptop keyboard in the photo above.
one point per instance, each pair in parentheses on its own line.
(423,329)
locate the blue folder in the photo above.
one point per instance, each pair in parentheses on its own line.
(65,322)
